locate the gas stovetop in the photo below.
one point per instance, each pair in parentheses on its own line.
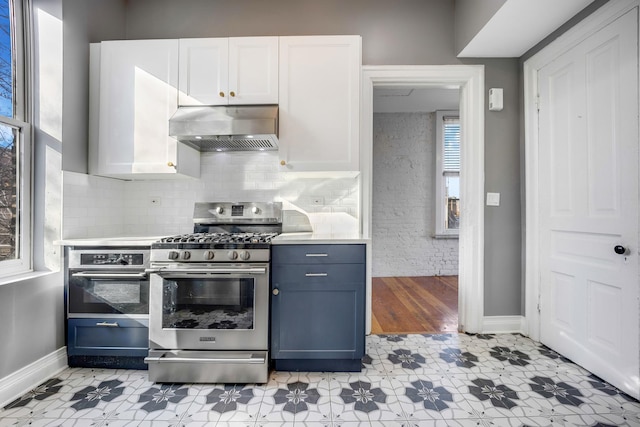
(224,232)
(239,238)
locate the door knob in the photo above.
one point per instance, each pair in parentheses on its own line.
(620,250)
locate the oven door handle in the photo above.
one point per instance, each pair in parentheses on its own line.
(182,272)
(163,359)
(94,275)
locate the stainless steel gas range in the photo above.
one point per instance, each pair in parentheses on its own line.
(209,296)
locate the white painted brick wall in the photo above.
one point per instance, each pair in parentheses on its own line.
(403,195)
(235,177)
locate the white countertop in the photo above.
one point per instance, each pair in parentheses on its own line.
(282,239)
(110,241)
(318,238)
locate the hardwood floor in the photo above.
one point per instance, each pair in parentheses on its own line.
(414,304)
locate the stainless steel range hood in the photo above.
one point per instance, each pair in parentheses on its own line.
(227,128)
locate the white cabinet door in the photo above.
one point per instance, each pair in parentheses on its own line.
(221,71)
(253,70)
(319,103)
(204,71)
(137,95)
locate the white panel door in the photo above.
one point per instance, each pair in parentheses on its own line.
(320,103)
(253,70)
(588,149)
(204,71)
(137,96)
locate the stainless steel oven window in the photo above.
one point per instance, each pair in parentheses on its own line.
(208,303)
(107,295)
(124,292)
(239,288)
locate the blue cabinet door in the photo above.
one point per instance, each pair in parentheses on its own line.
(317,307)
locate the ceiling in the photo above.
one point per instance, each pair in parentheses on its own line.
(414,100)
(519,25)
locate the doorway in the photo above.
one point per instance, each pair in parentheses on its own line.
(415,209)
(469,80)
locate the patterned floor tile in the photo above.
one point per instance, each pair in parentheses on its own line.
(406,380)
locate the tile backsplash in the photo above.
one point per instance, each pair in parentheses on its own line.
(101,207)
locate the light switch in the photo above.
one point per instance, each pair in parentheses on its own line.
(493,199)
(495,99)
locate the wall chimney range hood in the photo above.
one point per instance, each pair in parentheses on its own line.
(227,128)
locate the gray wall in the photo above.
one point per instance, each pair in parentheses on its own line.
(84,22)
(393,32)
(407,32)
(470,17)
(32,310)
(504,288)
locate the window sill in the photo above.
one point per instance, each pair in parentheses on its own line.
(445,236)
(9,280)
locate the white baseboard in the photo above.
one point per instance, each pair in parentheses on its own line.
(503,324)
(16,384)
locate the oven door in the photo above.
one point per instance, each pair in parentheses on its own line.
(212,307)
(107,292)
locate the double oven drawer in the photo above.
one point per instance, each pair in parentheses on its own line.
(107,302)
(108,336)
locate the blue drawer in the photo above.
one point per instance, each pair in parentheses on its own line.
(337,275)
(318,254)
(101,337)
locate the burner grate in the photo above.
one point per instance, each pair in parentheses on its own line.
(220,238)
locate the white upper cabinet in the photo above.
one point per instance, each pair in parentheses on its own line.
(228,71)
(319,103)
(133,95)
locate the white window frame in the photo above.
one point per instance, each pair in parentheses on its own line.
(23,263)
(440,205)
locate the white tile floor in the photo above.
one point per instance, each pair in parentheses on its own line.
(406,380)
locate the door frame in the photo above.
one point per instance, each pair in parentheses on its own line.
(591,24)
(469,79)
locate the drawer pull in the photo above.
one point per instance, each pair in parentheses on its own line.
(316,274)
(206,360)
(317,255)
(108,324)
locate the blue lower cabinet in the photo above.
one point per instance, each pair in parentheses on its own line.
(107,343)
(317,311)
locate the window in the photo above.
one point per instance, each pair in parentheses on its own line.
(15,144)
(447,174)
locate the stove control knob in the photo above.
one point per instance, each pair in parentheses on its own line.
(208,255)
(219,210)
(244,255)
(232,255)
(173,255)
(255,210)
(186,254)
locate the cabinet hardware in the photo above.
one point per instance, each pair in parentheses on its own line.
(276,292)
(316,274)
(110,275)
(171,164)
(282,163)
(221,94)
(311,255)
(207,360)
(108,324)
(232,94)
